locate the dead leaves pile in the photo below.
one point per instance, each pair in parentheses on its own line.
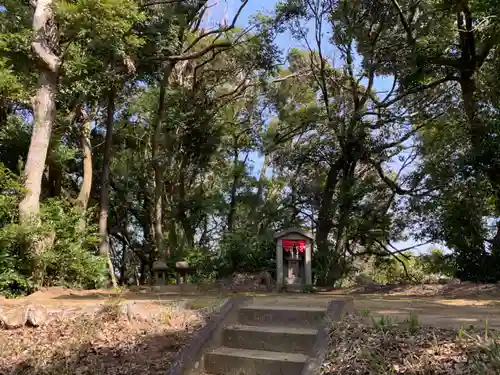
(358,347)
(105,343)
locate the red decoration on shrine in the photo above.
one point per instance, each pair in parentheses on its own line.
(288,245)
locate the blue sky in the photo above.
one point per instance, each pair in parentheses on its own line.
(225,10)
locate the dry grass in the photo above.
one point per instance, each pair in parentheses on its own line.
(181,318)
(385,346)
(207,304)
(105,343)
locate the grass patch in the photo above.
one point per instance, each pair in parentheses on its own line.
(413,323)
(390,347)
(365,313)
(383,323)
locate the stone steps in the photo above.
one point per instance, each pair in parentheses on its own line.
(233,361)
(287,316)
(267,340)
(278,339)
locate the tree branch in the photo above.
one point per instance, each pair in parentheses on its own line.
(394,254)
(195,55)
(417,89)
(219,30)
(392,185)
(404,21)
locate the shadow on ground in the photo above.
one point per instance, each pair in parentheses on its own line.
(439,311)
(151,354)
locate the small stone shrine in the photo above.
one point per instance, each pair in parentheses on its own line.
(293,258)
(160,273)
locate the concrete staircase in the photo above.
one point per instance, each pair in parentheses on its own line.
(269,340)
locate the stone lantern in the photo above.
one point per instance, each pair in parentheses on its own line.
(293,259)
(182,269)
(160,272)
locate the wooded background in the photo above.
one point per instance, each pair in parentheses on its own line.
(128,131)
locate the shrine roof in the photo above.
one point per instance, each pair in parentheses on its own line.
(299,231)
(159,265)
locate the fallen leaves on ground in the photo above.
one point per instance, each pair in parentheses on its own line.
(465,289)
(104,343)
(359,347)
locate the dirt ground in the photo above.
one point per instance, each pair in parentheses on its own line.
(90,345)
(444,306)
(100,332)
(448,306)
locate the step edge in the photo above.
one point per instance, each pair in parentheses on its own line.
(247,353)
(283,308)
(273,329)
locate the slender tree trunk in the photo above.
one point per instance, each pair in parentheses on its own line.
(84,194)
(54,173)
(234,188)
(262,177)
(104,248)
(158,164)
(260,193)
(142,276)
(146,244)
(45,44)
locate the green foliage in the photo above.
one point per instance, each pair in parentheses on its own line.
(68,262)
(330,143)
(383,323)
(244,251)
(436,262)
(71,261)
(200,259)
(413,323)
(14,270)
(9,82)
(410,268)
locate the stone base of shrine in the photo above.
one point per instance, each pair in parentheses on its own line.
(297,288)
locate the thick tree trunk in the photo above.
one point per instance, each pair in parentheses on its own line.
(338,266)
(104,248)
(324,258)
(45,44)
(482,147)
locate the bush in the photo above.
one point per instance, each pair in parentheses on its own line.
(14,262)
(422,269)
(244,251)
(199,258)
(437,262)
(71,261)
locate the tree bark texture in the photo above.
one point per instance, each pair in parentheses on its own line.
(84,194)
(158,164)
(104,248)
(232,200)
(45,45)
